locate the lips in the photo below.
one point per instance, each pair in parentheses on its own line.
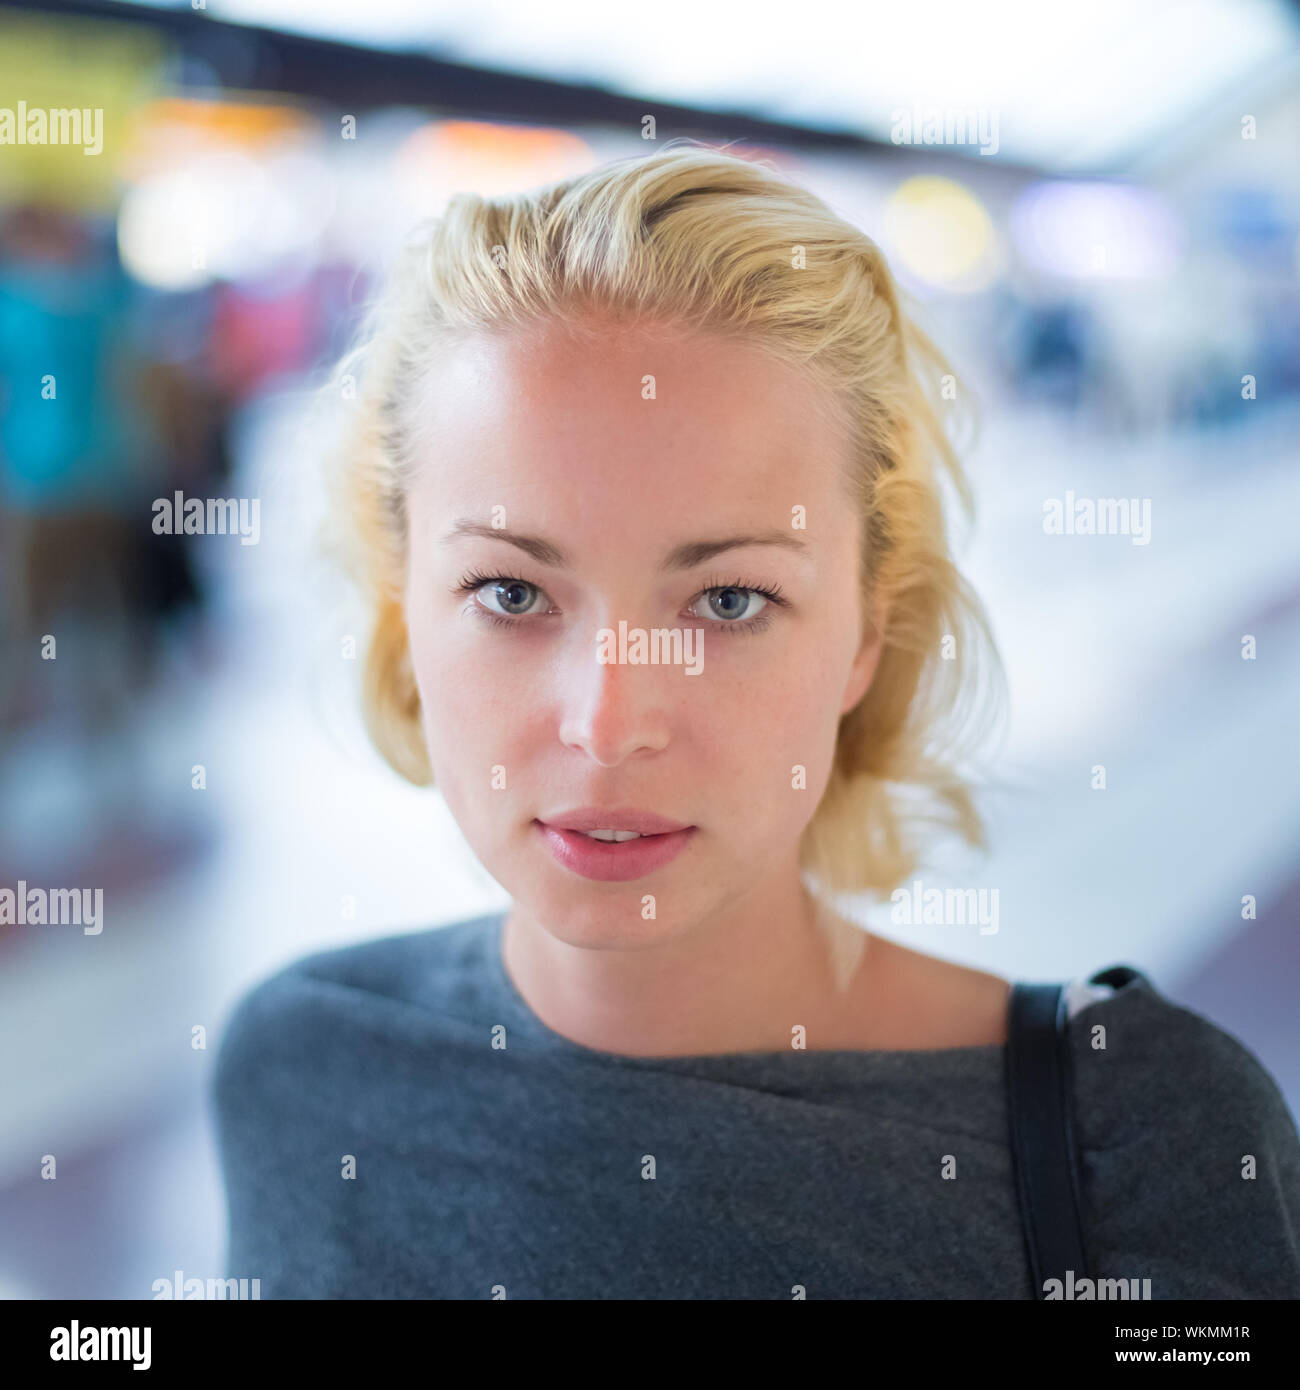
(619,862)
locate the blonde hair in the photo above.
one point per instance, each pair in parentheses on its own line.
(703,239)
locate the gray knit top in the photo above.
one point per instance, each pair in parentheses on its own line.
(394,1121)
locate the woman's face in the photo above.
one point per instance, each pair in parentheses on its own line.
(612,459)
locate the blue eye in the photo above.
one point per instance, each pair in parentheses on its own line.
(732,603)
(514,595)
(733,606)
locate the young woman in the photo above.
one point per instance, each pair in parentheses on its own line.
(644,496)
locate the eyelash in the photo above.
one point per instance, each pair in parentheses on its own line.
(475,580)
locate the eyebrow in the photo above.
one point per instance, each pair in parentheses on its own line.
(682,557)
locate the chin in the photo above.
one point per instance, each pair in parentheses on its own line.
(598,916)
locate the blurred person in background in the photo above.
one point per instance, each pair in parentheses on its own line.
(88,427)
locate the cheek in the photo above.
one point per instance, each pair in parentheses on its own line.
(448,686)
(810,695)
(477,721)
(768,744)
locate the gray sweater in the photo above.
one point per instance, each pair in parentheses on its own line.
(395,1122)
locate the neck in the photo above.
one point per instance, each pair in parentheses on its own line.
(741,978)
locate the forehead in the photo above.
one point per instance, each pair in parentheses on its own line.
(632,420)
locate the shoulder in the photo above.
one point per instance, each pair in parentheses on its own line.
(368,983)
(1190,1157)
(1174,1065)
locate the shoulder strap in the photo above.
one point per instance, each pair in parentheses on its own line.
(1043,1157)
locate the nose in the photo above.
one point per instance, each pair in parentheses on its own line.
(613,710)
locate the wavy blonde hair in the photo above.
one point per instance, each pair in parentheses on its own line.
(704,239)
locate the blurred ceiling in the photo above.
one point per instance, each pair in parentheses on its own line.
(1062,87)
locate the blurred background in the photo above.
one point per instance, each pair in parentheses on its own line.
(1095,210)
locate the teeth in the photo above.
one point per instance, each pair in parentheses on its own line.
(613,836)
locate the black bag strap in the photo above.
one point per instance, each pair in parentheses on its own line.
(1040,1102)
(1043,1155)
